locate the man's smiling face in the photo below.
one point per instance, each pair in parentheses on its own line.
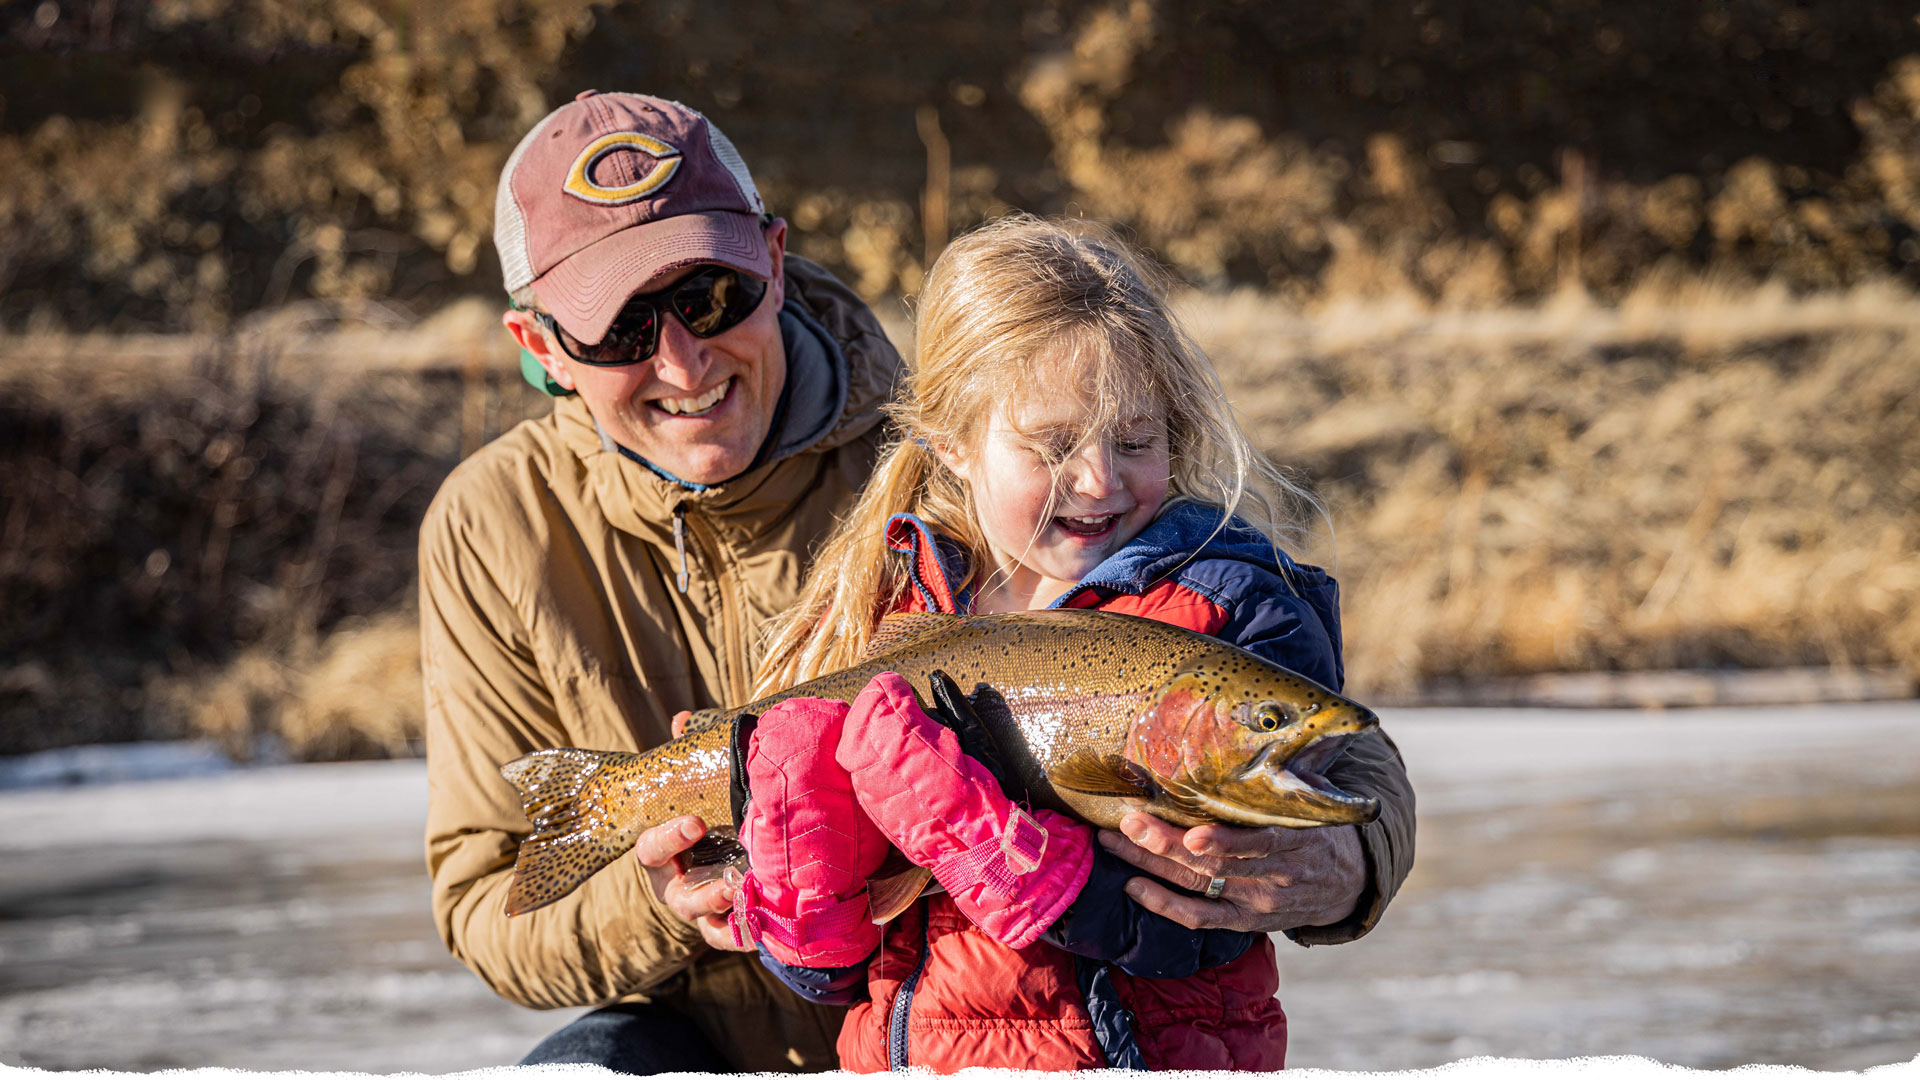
(698,408)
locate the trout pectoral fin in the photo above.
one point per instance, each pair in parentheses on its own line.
(1183,804)
(712,856)
(1099,774)
(570,840)
(890,894)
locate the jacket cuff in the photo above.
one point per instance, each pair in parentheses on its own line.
(1107,925)
(1372,903)
(822,986)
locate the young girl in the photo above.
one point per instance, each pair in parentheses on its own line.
(1066,445)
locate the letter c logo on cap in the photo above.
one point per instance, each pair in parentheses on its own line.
(666,161)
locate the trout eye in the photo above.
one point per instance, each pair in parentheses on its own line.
(1267,717)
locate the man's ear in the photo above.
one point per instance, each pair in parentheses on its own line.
(528,334)
(776,234)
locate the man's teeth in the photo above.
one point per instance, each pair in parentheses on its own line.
(688,406)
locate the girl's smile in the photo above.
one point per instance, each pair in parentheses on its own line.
(1087,530)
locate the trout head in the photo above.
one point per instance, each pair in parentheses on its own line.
(1234,739)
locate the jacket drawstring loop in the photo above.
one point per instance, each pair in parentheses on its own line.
(680,543)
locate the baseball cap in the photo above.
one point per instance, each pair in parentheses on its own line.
(611,190)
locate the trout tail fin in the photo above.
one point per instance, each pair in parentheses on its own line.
(571,837)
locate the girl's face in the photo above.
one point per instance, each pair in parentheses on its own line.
(1053,502)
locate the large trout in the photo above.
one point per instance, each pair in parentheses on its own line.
(1099,713)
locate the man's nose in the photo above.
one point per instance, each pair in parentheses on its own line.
(681,360)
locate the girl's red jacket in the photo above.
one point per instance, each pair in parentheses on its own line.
(945,996)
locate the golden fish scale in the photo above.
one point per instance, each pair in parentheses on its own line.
(1069,679)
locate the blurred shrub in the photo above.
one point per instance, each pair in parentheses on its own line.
(355,695)
(1471,154)
(175,163)
(153,530)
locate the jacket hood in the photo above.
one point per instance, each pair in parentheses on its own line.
(828,326)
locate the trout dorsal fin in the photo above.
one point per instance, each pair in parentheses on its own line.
(896,630)
(1100,774)
(705,719)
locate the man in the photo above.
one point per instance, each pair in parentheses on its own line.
(591,574)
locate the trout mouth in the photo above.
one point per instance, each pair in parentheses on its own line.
(1312,760)
(1292,789)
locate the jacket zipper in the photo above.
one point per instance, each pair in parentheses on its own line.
(903,1005)
(732,621)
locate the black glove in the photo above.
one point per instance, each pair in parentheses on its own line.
(954,711)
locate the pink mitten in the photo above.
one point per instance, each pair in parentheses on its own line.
(1010,871)
(810,847)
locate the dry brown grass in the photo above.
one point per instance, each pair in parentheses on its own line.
(1702,475)
(1703,478)
(354,695)
(180,164)
(1325,216)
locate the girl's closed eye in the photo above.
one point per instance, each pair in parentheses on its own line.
(1051,452)
(1134,440)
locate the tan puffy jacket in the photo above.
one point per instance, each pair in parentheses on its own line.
(550,616)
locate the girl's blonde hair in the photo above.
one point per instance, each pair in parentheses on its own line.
(999,298)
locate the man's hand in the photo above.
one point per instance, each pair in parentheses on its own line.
(705,905)
(1277,879)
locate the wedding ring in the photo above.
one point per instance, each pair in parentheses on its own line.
(1215,887)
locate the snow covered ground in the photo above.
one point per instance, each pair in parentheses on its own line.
(1706,887)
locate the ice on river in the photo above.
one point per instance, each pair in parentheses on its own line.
(1706,887)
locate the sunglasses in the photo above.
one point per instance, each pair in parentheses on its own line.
(709,303)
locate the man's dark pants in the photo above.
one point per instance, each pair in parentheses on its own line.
(636,1039)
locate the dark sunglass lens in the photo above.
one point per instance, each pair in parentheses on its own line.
(700,301)
(630,339)
(716,301)
(575,348)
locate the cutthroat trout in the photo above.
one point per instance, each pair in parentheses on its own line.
(1098,713)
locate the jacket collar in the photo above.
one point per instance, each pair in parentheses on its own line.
(1188,532)
(1183,533)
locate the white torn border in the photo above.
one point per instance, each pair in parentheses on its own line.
(1587,1068)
